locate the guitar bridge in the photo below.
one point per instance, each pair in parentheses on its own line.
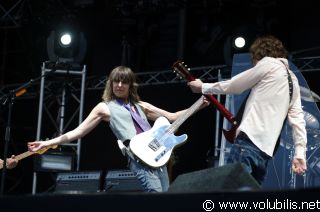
(154,145)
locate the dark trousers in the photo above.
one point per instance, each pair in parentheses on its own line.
(253,159)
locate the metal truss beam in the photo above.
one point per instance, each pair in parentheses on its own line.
(54,100)
(307,64)
(207,73)
(11,15)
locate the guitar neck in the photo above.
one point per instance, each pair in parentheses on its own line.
(28,153)
(183,71)
(24,155)
(176,124)
(20,156)
(226,113)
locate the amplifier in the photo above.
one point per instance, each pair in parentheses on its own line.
(78,182)
(122,181)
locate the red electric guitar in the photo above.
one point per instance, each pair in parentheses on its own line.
(181,69)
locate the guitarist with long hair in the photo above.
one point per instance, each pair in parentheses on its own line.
(274,96)
(127,116)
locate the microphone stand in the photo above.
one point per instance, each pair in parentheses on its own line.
(9,99)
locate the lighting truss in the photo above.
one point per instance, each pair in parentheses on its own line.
(208,73)
(11,15)
(307,64)
(205,73)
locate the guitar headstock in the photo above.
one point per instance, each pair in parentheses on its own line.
(181,69)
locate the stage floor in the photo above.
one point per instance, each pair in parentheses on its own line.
(300,199)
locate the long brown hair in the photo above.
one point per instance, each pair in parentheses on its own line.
(125,75)
(267,46)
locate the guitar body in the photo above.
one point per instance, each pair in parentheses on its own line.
(154,147)
(230,134)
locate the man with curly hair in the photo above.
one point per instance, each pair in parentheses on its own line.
(274,96)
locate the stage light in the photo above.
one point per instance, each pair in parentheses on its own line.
(239,42)
(66,46)
(65,40)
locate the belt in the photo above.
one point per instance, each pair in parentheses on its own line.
(242,135)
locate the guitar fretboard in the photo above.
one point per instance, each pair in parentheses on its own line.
(24,155)
(180,68)
(21,156)
(28,153)
(176,124)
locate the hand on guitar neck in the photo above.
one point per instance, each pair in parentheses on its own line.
(13,161)
(180,68)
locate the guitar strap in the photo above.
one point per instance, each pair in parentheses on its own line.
(239,114)
(290,94)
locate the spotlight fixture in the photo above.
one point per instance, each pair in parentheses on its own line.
(66,47)
(239,42)
(65,40)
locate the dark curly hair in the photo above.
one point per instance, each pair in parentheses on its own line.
(267,46)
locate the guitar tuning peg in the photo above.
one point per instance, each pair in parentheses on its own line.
(189,69)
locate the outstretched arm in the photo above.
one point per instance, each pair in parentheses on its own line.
(152,112)
(99,112)
(236,85)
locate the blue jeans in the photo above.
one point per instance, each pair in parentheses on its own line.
(253,159)
(152,179)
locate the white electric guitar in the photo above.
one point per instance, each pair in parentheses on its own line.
(155,146)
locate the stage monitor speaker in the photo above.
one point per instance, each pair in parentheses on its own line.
(122,181)
(78,182)
(228,177)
